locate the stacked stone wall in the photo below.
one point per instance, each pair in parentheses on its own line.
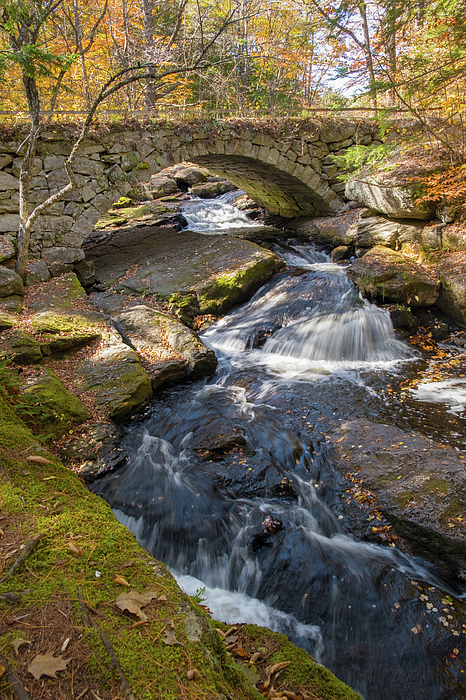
(111,163)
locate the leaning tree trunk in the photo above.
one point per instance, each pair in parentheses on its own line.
(24,229)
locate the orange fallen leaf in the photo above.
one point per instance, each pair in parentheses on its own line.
(122,581)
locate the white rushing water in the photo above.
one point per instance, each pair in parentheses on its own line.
(313,322)
(451,392)
(211,217)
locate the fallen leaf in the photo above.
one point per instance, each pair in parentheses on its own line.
(47,665)
(74,549)
(132,601)
(270,670)
(122,581)
(127,564)
(192,674)
(242,652)
(170,637)
(38,459)
(2,670)
(18,643)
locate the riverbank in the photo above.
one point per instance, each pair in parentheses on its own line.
(87,613)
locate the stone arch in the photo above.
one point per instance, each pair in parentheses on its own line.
(288,175)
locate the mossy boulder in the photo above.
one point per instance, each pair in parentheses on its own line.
(182,267)
(21,347)
(59,294)
(452,297)
(116,377)
(61,410)
(387,274)
(224,291)
(65,331)
(7,320)
(170,350)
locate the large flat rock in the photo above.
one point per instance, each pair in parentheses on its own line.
(197,274)
(419,484)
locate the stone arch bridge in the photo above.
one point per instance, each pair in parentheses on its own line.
(285,167)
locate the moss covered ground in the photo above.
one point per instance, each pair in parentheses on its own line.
(86,559)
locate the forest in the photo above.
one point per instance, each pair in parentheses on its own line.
(249,57)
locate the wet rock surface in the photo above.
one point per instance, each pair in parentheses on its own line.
(215,272)
(420,487)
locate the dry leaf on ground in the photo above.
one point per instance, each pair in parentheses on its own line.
(18,643)
(122,581)
(47,665)
(38,459)
(132,601)
(170,638)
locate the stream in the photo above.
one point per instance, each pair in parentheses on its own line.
(229,480)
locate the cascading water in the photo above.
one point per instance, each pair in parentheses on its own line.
(215,216)
(221,488)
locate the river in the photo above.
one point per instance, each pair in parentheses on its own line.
(230,483)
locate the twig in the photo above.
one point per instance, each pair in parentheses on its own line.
(82,607)
(124,685)
(12,678)
(28,547)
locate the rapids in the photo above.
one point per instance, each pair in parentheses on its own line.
(260,524)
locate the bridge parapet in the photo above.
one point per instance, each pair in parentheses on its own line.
(286,167)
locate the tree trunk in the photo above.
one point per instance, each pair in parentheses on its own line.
(24,230)
(149,47)
(368,52)
(79,46)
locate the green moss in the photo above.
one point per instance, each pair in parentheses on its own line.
(456,508)
(225,291)
(303,670)
(402,499)
(122,203)
(61,409)
(141,166)
(437,485)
